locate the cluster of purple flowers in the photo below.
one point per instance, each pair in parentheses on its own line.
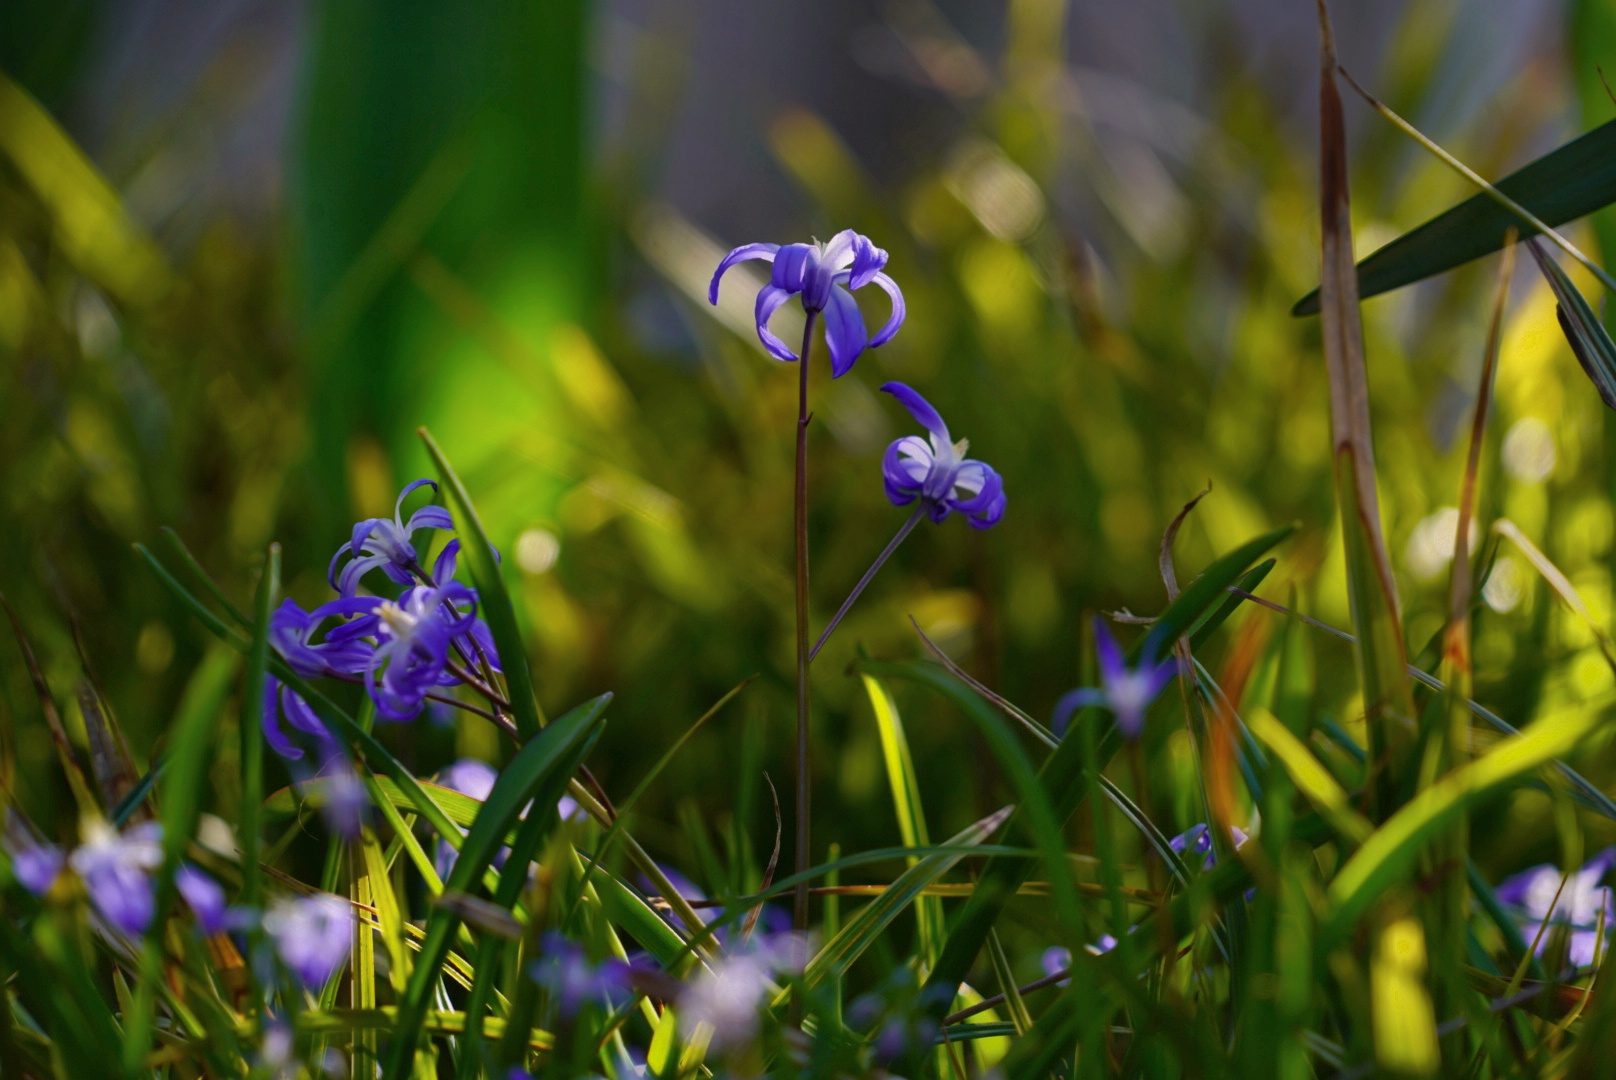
(1577,907)
(119,870)
(405,650)
(824,275)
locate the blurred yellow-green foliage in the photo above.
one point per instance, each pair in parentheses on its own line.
(243,256)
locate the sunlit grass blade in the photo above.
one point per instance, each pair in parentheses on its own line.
(905,788)
(539,773)
(493,600)
(1388,854)
(1311,778)
(862,929)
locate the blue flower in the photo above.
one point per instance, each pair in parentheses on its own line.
(573,982)
(117,871)
(1577,909)
(205,899)
(35,864)
(345,652)
(822,275)
(385,543)
(1126,691)
(413,638)
(313,935)
(938,472)
(1197,840)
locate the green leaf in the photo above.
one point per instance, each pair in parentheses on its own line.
(1589,340)
(252,721)
(539,774)
(1561,186)
(494,602)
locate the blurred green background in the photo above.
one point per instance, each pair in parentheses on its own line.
(247,248)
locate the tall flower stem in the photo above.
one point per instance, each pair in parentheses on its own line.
(799,906)
(869,575)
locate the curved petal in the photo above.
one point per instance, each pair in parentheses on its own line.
(1070,702)
(868,260)
(844,331)
(989,517)
(899,310)
(919,408)
(895,472)
(444,568)
(988,485)
(273,734)
(741,254)
(398,507)
(769,299)
(348,582)
(430,517)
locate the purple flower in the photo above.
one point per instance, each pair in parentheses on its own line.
(117,871)
(313,935)
(345,651)
(345,802)
(1126,691)
(564,970)
(475,779)
(821,274)
(35,865)
(726,996)
(412,651)
(1197,840)
(1579,907)
(385,544)
(205,899)
(938,472)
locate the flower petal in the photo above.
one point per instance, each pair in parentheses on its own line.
(444,568)
(398,507)
(203,896)
(844,331)
(741,254)
(899,310)
(988,517)
(769,299)
(1070,702)
(430,517)
(868,260)
(902,489)
(841,249)
(1113,665)
(919,408)
(793,265)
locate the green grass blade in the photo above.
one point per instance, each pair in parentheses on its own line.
(538,774)
(252,720)
(493,600)
(1387,855)
(1589,340)
(905,786)
(1562,185)
(862,929)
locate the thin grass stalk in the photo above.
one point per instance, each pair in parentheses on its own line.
(799,904)
(1371,589)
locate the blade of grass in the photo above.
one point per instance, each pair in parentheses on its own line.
(250,829)
(905,787)
(1371,588)
(539,773)
(493,599)
(1584,330)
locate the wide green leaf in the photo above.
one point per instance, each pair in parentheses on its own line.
(1561,186)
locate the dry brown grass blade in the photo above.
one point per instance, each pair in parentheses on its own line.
(114,772)
(53,717)
(774,861)
(1372,590)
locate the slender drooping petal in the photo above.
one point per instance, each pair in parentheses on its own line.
(117,872)
(385,544)
(936,470)
(414,637)
(823,276)
(313,936)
